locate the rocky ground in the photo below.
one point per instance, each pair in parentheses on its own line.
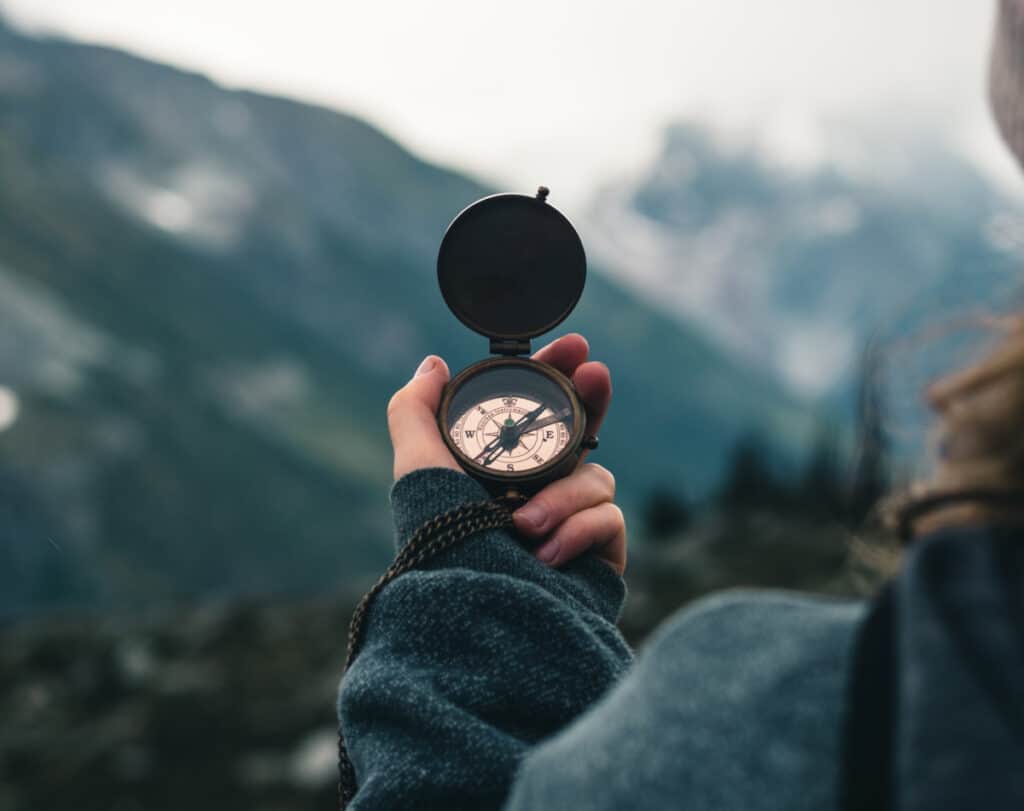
(218,706)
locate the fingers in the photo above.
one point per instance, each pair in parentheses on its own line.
(579,509)
(601,528)
(565,353)
(588,486)
(593,382)
(412,420)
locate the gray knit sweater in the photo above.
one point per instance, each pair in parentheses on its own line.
(491,681)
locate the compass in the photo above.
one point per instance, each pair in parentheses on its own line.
(512,267)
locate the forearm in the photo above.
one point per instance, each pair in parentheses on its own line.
(469,663)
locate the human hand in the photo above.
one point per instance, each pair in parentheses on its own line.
(578,510)
(578,513)
(412,420)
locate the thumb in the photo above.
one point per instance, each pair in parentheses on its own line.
(412,420)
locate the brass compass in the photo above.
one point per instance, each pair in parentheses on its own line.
(512,267)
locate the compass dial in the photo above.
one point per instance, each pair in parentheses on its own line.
(513,423)
(512,434)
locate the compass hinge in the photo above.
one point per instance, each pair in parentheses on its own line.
(509,347)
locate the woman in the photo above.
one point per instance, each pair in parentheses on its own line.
(494,677)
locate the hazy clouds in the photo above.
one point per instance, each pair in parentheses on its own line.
(567,92)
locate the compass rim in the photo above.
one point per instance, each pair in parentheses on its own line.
(535,477)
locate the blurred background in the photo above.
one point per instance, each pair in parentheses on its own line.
(218,228)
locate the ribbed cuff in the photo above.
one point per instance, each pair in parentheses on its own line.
(428,492)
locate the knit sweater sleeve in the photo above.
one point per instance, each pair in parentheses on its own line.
(469,662)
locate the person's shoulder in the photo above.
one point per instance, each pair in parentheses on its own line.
(755,683)
(762,617)
(735,702)
(751,650)
(766,631)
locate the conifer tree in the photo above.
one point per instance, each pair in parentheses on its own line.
(666,514)
(870,479)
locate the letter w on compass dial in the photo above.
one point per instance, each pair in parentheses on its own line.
(512,434)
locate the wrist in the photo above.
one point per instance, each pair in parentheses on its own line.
(425,493)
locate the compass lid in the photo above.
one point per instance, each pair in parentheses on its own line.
(511,266)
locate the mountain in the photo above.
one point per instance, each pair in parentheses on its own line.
(206,299)
(793,259)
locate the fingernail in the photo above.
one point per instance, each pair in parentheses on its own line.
(549,551)
(533,515)
(429,362)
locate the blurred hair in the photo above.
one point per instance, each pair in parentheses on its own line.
(978,443)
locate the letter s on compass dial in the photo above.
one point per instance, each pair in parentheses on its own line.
(513,423)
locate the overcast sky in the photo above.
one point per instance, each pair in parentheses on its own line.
(568,92)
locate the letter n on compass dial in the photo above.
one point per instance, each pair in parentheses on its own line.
(512,434)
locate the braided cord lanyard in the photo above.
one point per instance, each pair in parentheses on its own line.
(434,537)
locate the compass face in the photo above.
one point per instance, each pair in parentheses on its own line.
(487,433)
(511,418)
